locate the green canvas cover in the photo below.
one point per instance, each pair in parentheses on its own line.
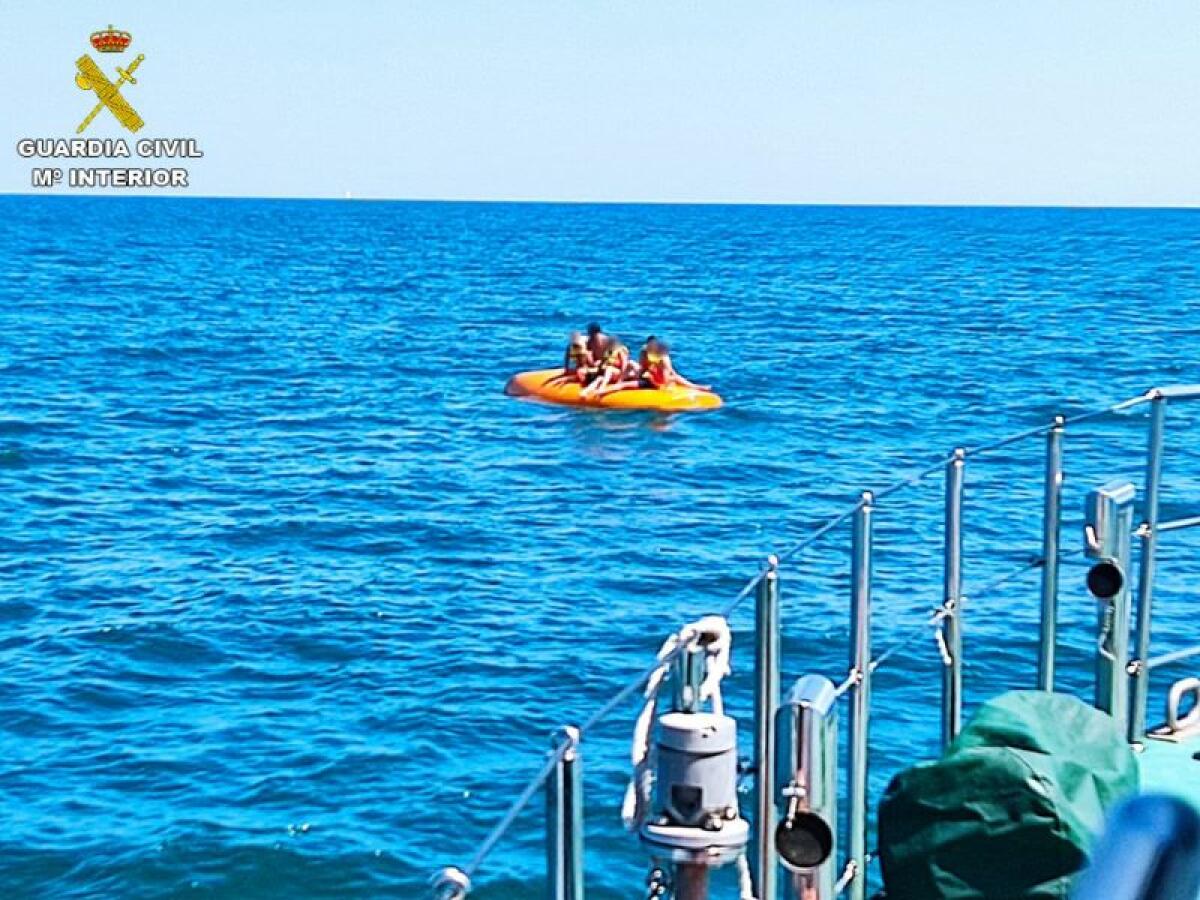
(1010,811)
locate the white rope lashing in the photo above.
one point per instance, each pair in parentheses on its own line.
(745,880)
(711,631)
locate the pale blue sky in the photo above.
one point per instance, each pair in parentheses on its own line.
(811,101)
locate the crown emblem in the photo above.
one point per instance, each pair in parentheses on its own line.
(111,41)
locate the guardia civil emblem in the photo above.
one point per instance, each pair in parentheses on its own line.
(90,77)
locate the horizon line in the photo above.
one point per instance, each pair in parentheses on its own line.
(524,201)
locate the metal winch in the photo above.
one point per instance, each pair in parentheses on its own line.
(695,815)
(683,800)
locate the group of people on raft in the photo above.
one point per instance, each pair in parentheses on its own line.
(601,364)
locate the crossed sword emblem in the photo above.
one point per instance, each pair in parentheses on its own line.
(108,92)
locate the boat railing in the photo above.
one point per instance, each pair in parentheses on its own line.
(560,774)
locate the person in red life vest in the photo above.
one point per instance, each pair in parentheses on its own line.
(657,370)
(616,371)
(650,369)
(578,362)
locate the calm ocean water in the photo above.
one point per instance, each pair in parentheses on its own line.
(291,595)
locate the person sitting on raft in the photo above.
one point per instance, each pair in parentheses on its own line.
(578,362)
(597,341)
(656,369)
(646,359)
(617,372)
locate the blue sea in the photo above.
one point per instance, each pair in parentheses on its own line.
(292,596)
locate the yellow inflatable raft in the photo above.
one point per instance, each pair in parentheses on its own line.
(550,386)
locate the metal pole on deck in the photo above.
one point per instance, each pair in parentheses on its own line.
(1108,523)
(1051,528)
(952,629)
(1145,593)
(766,703)
(687,677)
(806,838)
(860,703)
(564,819)
(691,881)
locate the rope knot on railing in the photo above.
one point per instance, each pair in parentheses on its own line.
(853,678)
(946,611)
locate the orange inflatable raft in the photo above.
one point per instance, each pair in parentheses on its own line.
(549,386)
